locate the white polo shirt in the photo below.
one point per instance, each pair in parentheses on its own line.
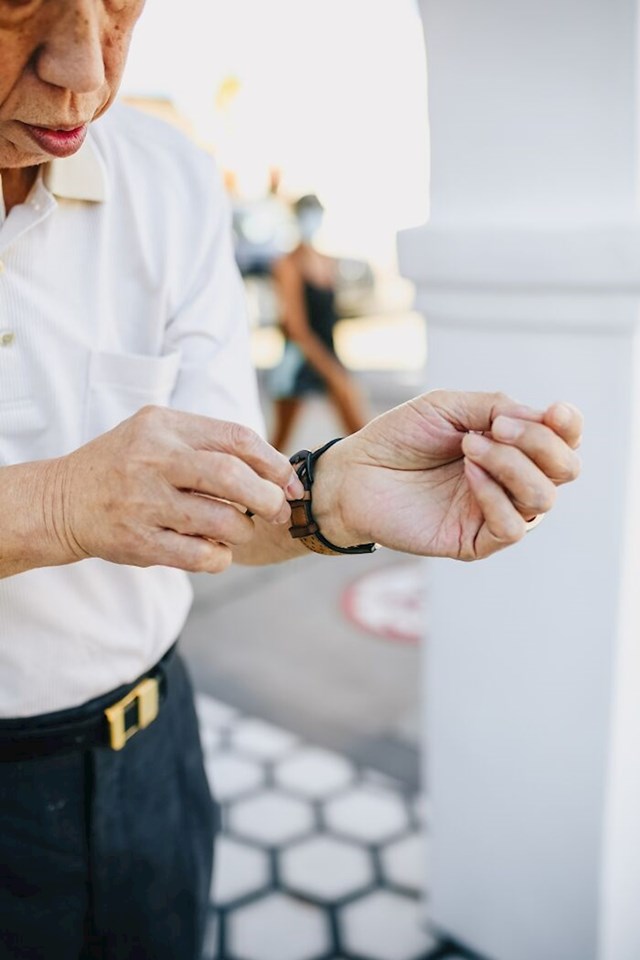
(118,288)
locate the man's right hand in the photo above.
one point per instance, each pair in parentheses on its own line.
(160,488)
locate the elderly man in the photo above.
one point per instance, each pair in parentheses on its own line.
(127,457)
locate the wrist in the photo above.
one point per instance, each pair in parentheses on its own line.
(327,498)
(31,531)
(53,496)
(325,528)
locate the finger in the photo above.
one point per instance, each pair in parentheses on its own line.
(239,441)
(193,554)
(527,486)
(477,411)
(507,407)
(542,445)
(228,478)
(567,421)
(502,524)
(203,517)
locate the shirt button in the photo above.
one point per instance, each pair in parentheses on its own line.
(7,337)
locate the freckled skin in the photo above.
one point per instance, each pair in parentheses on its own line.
(61,62)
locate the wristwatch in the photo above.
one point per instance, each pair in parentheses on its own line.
(303,525)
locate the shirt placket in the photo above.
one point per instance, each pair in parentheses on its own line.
(26,216)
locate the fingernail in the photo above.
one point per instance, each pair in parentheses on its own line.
(294,489)
(475,443)
(505,428)
(563,414)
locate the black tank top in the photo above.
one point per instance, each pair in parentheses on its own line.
(321,311)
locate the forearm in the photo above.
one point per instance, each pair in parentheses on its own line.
(29,531)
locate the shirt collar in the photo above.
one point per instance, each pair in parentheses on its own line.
(79,177)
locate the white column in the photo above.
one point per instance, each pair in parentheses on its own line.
(529,276)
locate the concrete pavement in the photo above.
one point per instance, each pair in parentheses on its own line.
(275,643)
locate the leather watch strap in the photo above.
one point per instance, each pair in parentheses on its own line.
(303,525)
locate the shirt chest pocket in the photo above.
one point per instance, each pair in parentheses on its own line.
(122,383)
(19,411)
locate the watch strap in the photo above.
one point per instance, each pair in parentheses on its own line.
(303,524)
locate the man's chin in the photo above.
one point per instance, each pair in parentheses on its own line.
(19,159)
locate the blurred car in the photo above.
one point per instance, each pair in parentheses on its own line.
(263,230)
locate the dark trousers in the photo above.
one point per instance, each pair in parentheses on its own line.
(108,855)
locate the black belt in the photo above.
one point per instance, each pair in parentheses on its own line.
(108,721)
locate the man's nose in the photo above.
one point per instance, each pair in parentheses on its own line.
(71,55)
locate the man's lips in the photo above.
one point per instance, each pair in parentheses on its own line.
(61,142)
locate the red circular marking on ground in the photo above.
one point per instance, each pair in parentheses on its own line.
(389,603)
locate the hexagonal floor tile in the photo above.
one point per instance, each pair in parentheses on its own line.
(385,926)
(314,773)
(323,868)
(405,862)
(262,740)
(231,776)
(211,739)
(278,927)
(238,871)
(271,818)
(213,713)
(367,814)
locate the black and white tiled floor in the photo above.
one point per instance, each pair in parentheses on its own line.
(317,859)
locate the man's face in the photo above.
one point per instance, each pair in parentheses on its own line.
(60,67)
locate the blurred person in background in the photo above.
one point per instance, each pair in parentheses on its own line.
(306,284)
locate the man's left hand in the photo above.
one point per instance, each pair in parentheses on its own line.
(447,474)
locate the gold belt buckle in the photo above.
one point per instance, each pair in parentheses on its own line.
(147,695)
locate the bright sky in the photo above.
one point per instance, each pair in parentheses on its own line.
(331,91)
